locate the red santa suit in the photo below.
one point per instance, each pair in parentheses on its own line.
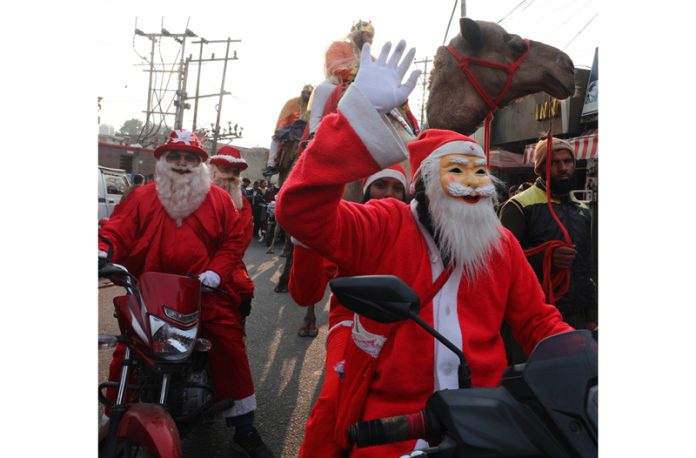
(393,369)
(145,238)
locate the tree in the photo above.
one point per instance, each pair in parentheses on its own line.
(131,128)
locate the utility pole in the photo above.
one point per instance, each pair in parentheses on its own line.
(181,97)
(198,83)
(463,8)
(236,133)
(180,38)
(425,82)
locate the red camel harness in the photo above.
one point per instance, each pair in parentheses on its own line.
(554,285)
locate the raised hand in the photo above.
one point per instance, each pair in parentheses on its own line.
(380,81)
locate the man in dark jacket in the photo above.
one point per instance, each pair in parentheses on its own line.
(528,217)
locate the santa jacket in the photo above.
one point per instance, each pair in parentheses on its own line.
(145,238)
(393,369)
(241,282)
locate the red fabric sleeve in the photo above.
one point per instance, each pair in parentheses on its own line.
(247,222)
(122,227)
(529,317)
(310,207)
(231,244)
(309,275)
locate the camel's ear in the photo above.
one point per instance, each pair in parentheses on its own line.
(471,32)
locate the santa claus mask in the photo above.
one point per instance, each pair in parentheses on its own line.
(227,177)
(181,183)
(461,198)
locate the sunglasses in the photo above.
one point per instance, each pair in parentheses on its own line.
(174,156)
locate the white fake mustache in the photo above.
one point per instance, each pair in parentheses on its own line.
(456,190)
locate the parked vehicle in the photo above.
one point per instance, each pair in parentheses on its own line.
(546,407)
(163,389)
(112,184)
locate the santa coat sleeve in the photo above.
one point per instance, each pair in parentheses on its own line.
(309,275)
(122,227)
(230,249)
(350,145)
(246,222)
(529,316)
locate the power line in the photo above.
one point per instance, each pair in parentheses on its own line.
(581,30)
(512,11)
(454,8)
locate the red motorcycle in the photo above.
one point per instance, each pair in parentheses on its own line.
(163,387)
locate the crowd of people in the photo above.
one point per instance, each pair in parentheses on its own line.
(441,228)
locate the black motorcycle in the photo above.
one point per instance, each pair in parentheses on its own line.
(546,407)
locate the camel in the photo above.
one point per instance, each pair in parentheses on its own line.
(454,102)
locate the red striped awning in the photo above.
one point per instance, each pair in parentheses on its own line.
(586,146)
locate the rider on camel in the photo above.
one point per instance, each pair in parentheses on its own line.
(291,123)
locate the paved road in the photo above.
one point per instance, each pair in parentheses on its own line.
(287,369)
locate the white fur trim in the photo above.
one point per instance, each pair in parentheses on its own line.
(230,159)
(455,147)
(366,341)
(376,133)
(445,316)
(240,407)
(386,173)
(458,147)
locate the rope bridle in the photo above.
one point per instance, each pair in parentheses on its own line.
(464,64)
(554,285)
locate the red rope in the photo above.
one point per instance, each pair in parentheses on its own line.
(437,286)
(554,284)
(510,69)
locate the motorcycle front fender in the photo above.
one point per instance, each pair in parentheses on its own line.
(151,426)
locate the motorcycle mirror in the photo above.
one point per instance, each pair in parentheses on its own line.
(383,298)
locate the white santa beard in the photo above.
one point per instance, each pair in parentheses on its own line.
(467,233)
(228,182)
(181,194)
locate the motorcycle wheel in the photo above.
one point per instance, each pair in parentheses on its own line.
(126,448)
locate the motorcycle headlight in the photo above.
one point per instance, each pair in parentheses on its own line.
(170,342)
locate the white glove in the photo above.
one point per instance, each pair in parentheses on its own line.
(380,81)
(209,278)
(102,254)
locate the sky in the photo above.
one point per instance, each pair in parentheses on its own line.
(283,43)
(59,56)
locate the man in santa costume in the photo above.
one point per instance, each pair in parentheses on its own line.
(180,224)
(447,245)
(225,170)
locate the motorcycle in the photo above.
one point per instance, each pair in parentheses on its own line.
(545,407)
(164,364)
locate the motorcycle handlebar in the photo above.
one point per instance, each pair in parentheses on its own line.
(387,430)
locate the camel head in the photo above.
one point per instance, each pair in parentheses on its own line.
(454,103)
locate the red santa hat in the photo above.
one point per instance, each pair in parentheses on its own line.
(229,155)
(438,143)
(182,140)
(395,171)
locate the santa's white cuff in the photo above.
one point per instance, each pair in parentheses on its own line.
(376,133)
